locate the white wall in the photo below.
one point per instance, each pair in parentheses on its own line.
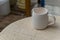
(50,2)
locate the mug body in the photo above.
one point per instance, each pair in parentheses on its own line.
(40,20)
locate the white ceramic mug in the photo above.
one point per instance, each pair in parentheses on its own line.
(41,20)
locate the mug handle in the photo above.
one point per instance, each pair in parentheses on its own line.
(54,19)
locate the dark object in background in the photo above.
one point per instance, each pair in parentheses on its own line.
(13,2)
(41,3)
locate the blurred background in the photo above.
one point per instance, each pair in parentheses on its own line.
(13,10)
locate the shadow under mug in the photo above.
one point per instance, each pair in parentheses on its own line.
(41,20)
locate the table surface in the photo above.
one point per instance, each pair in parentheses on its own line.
(23,30)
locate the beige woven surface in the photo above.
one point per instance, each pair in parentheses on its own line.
(23,30)
(1,38)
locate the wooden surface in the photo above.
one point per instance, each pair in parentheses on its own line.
(23,30)
(28,7)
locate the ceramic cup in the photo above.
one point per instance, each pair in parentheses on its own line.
(40,20)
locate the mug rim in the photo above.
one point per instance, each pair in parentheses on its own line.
(46,11)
